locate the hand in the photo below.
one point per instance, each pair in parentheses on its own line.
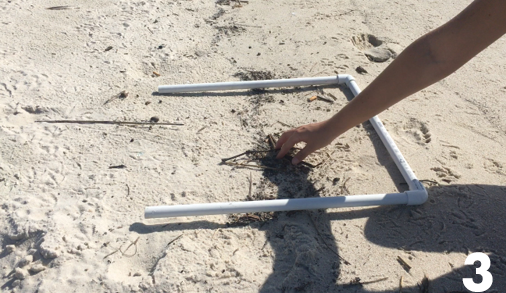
(315,135)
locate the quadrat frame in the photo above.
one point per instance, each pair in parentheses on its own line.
(416,195)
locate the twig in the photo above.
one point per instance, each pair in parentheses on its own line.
(346,12)
(343,186)
(272,142)
(324,242)
(250,186)
(325,99)
(132,243)
(151,272)
(128,190)
(450,146)
(201,129)
(332,96)
(59,7)
(111,253)
(247,25)
(400,284)
(247,165)
(374,281)
(117,167)
(282,123)
(404,263)
(107,122)
(173,240)
(242,154)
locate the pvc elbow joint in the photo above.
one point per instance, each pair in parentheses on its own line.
(417,197)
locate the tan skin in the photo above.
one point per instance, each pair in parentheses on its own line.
(429,59)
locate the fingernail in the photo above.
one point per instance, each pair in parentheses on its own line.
(295,161)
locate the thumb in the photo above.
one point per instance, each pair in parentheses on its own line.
(301,155)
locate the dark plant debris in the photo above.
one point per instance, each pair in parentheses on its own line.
(254,75)
(118,167)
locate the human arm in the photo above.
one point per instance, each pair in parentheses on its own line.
(429,59)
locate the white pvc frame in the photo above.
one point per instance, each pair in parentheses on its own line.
(416,194)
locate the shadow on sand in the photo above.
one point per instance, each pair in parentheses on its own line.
(458,218)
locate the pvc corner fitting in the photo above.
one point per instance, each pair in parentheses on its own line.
(345,78)
(417,197)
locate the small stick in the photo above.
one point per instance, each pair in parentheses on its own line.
(128,190)
(152,270)
(400,284)
(107,122)
(404,263)
(250,185)
(242,154)
(325,99)
(247,25)
(343,187)
(272,142)
(374,281)
(59,7)
(117,167)
(324,242)
(173,240)
(201,129)
(450,146)
(133,243)
(332,96)
(282,123)
(111,253)
(247,165)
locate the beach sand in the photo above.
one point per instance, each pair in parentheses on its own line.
(71,223)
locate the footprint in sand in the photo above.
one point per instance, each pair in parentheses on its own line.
(418,130)
(374,49)
(446,174)
(493,166)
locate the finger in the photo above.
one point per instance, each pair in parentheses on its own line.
(292,140)
(302,154)
(284,137)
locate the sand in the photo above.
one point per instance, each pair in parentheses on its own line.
(71,223)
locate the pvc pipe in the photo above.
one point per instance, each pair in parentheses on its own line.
(415,196)
(235,85)
(276,205)
(393,150)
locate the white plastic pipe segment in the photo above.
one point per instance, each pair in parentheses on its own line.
(239,85)
(393,150)
(415,196)
(312,203)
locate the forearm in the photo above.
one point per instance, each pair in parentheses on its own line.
(426,61)
(429,59)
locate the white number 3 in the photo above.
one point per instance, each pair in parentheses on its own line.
(486,283)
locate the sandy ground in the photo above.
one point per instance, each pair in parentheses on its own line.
(71,223)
